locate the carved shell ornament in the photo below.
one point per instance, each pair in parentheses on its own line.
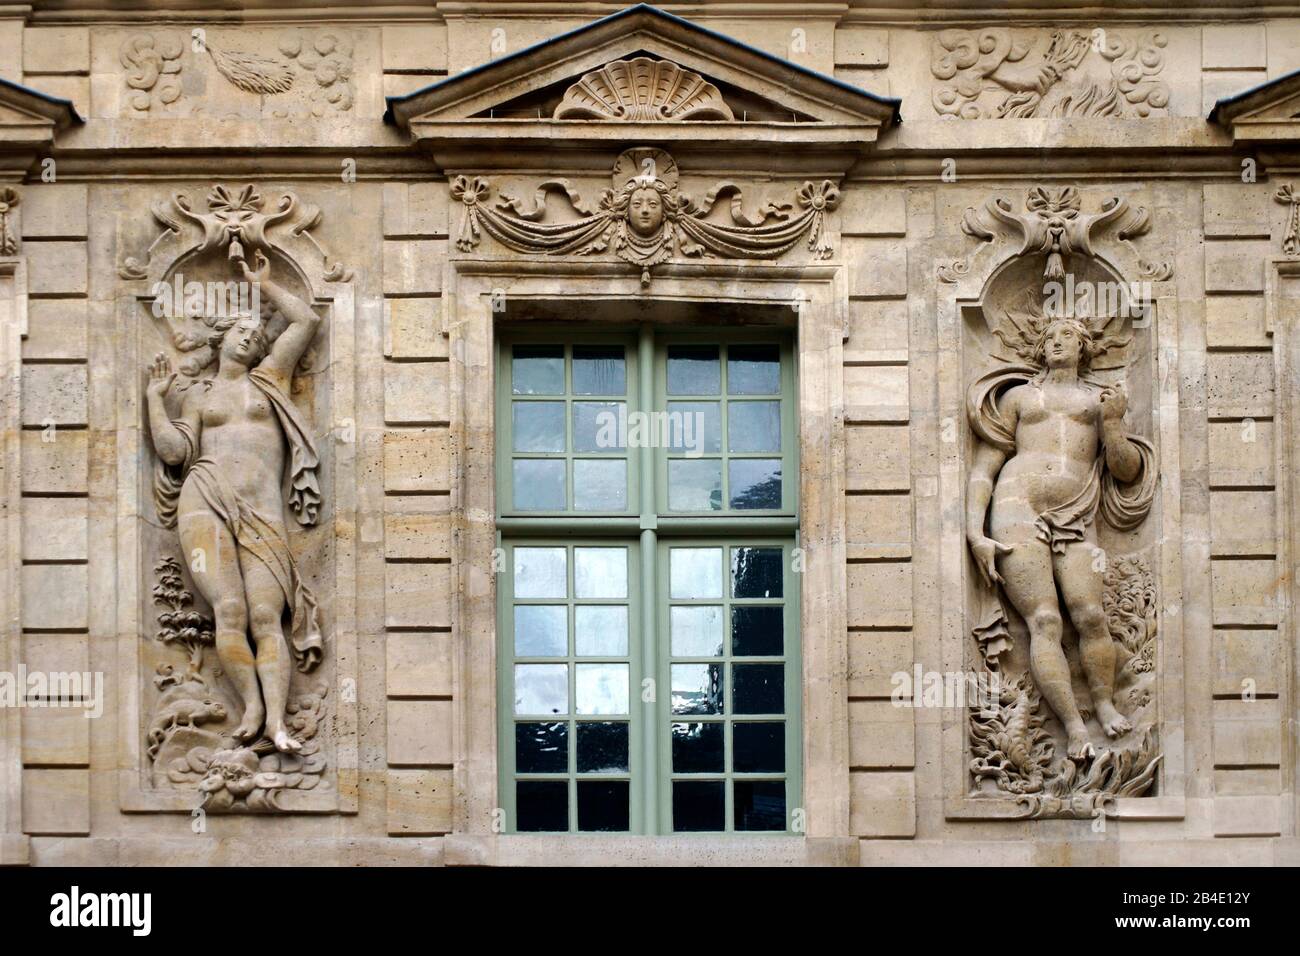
(642,90)
(645,219)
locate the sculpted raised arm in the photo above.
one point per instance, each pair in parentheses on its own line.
(167,438)
(303,320)
(1122,457)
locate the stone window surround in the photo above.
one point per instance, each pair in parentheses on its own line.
(469,325)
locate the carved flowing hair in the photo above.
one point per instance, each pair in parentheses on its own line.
(622,196)
(1024,329)
(206,344)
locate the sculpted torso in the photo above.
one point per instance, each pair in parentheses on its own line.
(1057,443)
(239,428)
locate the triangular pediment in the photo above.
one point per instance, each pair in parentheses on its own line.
(29,117)
(643,73)
(1268,112)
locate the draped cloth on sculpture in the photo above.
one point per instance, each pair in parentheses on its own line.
(1123,505)
(253,533)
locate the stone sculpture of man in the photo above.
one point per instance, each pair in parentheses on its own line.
(219,483)
(1053,452)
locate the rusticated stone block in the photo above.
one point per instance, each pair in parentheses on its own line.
(419,733)
(56,801)
(418,664)
(419,802)
(882,804)
(882,736)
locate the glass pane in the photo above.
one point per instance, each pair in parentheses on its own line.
(542,748)
(694,370)
(600,572)
(758,748)
(758,688)
(538,426)
(599,370)
(600,630)
(753,370)
(695,484)
(599,426)
(755,482)
(760,805)
(698,748)
(696,631)
(695,573)
(541,630)
(600,484)
(539,484)
(757,631)
(699,805)
(537,370)
(697,688)
(601,688)
(540,573)
(603,805)
(756,572)
(754,426)
(694,427)
(541,805)
(541,688)
(602,747)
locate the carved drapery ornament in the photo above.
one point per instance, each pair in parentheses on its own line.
(645,219)
(642,90)
(1288,196)
(9,200)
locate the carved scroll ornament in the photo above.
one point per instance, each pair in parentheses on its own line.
(645,218)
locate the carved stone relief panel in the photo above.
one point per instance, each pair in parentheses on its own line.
(242,569)
(290,72)
(645,217)
(1062,519)
(1003,72)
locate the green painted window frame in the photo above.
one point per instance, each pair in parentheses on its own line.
(649,531)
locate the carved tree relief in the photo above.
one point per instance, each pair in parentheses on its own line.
(1059,489)
(645,218)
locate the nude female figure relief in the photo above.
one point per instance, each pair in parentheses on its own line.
(219,484)
(1053,454)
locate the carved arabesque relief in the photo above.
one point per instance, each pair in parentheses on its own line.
(1062,602)
(643,90)
(296,72)
(645,218)
(1000,72)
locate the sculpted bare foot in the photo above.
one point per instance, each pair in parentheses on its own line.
(1079,747)
(285,743)
(250,725)
(1112,721)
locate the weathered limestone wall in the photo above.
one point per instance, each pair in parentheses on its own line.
(158,124)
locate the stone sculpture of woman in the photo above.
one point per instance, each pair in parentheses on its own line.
(219,483)
(1052,454)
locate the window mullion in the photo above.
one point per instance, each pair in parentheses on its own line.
(649,597)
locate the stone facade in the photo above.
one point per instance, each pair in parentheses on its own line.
(1094,508)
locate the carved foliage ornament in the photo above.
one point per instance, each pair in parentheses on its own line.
(237,220)
(999,72)
(642,90)
(645,218)
(1053,223)
(1290,197)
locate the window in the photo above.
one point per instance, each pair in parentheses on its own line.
(648,662)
